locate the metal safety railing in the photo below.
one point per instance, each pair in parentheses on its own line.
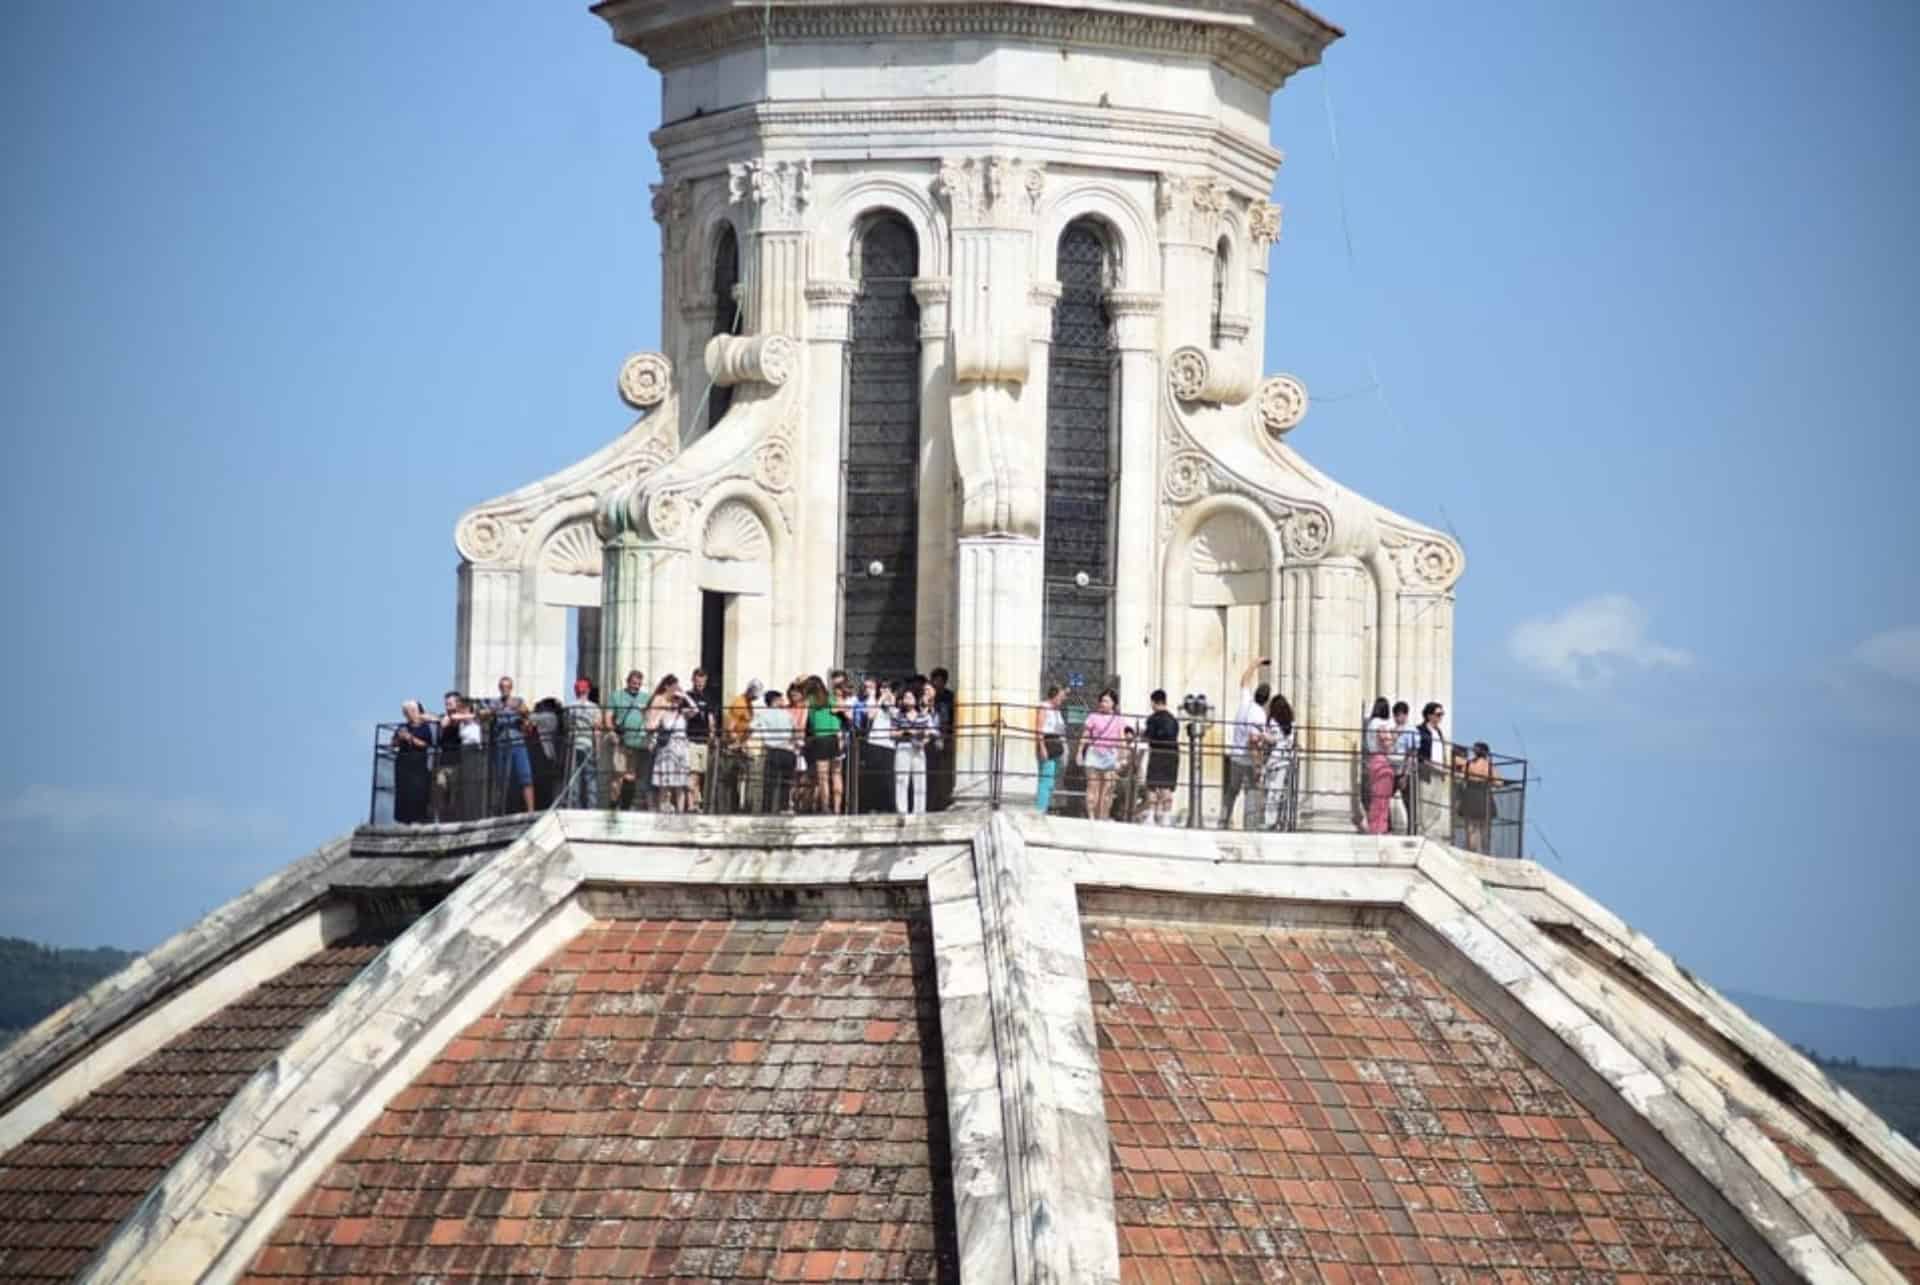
(1190,771)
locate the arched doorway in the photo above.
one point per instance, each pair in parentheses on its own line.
(881,464)
(1082,465)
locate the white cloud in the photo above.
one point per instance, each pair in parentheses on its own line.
(1877,684)
(1586,643)
(1892,653)
(114,812)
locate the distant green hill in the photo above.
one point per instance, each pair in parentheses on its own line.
(36,979)
(1892,1091)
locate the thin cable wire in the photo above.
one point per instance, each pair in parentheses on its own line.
(1378,385)
(700,407)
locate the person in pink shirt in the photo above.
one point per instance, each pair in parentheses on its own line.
(1101,741)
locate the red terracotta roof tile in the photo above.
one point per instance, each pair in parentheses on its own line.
(1316,1103)
(64,1190)
(665,1100)
(1885,1237)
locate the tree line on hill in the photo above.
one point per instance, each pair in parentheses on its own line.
(35,980)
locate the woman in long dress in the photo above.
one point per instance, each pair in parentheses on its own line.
(1378,744)
(672,761)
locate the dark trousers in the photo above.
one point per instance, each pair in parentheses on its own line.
(779,788)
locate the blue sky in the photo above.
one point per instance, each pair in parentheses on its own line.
(287,287)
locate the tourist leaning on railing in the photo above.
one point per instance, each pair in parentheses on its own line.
(413,743)
(1478,781)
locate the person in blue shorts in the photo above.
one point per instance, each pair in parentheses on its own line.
(512,768)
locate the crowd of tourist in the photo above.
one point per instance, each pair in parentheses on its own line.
(829,745)
(821,745)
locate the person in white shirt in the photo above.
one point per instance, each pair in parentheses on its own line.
(1243,744)
(773,730)
(910,732)
(1406,741)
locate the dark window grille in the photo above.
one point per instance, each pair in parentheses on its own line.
(1081,464)
(1219,287)
(726,312)
(882,464)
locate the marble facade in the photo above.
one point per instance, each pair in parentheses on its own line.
(987,133)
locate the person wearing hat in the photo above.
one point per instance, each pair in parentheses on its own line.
(586,724)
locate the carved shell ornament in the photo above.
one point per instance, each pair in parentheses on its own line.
(1188,477)
(1187,374)
(486,538)
(736,534)
(645,379)
(573,550)
(1305,534)
(1283,404)
(773,466)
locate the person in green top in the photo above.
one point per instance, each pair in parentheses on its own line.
(823,745)
(627,715)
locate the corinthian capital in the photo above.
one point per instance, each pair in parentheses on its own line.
(775,193)
(1190,208)
(991,191)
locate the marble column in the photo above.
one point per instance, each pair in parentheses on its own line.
(1190,229)
(1136,327)
(933,603)
(1335,694)
(774,196)
(487,624)
(998,447)
(644,620)
(819,537)
(998,655)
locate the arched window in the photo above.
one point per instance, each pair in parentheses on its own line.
(726,311)
(1082,463)
(881,467)
(1221,253)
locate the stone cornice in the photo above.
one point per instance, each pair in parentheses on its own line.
(1263,41)
(1060,133)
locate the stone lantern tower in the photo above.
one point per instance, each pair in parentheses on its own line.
(963,323)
